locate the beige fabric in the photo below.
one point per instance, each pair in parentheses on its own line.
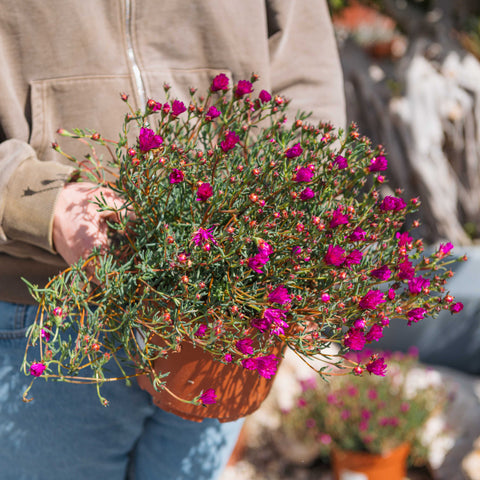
(64,63)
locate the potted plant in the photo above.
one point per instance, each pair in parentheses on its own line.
(369,425)
(243,232)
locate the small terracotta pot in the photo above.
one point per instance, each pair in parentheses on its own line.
(351,465)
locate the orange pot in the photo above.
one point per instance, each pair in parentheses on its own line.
(351,465)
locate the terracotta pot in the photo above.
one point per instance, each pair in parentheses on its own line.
(350,465)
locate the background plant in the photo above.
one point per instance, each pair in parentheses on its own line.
(241,231)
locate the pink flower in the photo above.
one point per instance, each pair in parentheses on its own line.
(178,107)
(153,105)
(261,324)
(377,366)
(148,140)
(264,96)
(304,175)
(266,366)
(45,334)
(245,346)
(264,248)
(307,194)
(220,82)
(203,236)
(243,87)
(417,284)
(403,239)
(391,294)
(341,162)
(456,307)
(375,333)
(201,330)
(378,164)
(279,295)
(354,339)
(228,357)
(204,192)
(444,249)
(176,176)
(208,397)
(358,235)
(371,300)
(334,255)
(249,364)
(338,218)
(415,315)
(213,112)
(294,151)
(353,258)
(276,320)
(406,270)
(297,250)
(257,262)
(392,204)
(36,369)
(383,273)
(229,142)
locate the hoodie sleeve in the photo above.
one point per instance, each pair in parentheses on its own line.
(28,192)
(305,64)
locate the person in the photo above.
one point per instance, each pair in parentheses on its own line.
(64,64)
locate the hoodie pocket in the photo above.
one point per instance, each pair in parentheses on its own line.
(87,103)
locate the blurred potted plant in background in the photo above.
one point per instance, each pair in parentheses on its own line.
(369,425)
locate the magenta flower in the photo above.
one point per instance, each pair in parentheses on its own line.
(304,175)
(249,364)
(294,151)
(403,238)
(243,87)
(204,192)
(208,397)
(377,366)
(297,250)
(245,346)
(406,270)
(382,273)
(213,112)
(264,248)
(378,164)
(266,366)
(36,369)
(228,357)
(391,294)
(257,262)
(45,334)
(334,256)
(264,96)
(392,204)
(371,300)
(279,295)
(148,140)
(307,194)
(353,258)
(417,284)
(220,82)
(201,330)
(203,236)
(338,218)
(153,105)
(176,176)
(229,142)
(415,315)
(178,107)
(375,333)
(341,162)
(260,324)
(456,307)
(445,249)
(358,235)
(354,339)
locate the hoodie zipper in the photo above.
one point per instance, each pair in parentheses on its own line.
(137,76)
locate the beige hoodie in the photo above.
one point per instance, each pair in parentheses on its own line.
(63,64)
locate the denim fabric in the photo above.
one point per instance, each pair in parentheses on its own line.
(64,432)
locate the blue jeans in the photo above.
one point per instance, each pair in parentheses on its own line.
(66,433)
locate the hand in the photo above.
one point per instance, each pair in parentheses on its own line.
(78,225)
